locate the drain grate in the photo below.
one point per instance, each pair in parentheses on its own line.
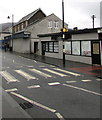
(26,105)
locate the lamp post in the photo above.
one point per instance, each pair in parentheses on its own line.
(11,49)
(93,19)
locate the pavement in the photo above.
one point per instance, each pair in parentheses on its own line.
(11,109)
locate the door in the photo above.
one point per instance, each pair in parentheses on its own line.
(43,48)
(96,57)
(35,47)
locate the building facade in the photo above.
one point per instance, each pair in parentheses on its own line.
(78,45)
(30,26)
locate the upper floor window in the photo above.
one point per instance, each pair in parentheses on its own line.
(50,24)
(56,24)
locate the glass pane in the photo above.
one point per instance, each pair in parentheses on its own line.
(86,48)
(67,47)
(76,47)
(56,49)
(50,46)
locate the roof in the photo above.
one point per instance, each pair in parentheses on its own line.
(81,31)
(27,17)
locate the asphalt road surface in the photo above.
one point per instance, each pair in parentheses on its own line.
(46,91)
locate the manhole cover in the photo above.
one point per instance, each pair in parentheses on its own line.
(26,105)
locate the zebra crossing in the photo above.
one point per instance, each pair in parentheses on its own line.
(51,73)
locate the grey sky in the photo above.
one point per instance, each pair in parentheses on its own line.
(77,12)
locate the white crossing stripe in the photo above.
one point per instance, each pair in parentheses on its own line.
(40,73)
(70,81)
(11,90)
(99,79)
(86,80)
(9,78)
(33,86)
(54,83)
(54,72)
(72,73)
(26,75)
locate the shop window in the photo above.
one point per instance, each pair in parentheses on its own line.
(86,48)
(67,47)
(50,46)
(56,49)
(76,47)
(47,46)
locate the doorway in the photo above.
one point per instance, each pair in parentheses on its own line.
(43,48)
(35,47)
(96,57)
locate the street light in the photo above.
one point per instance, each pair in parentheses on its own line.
(11,49)
(93,18)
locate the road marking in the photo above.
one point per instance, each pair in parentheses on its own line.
(99,79)
(54,83)
(86,80)
(33,86)
(72,73)
(26,75)
(52,66)
(41,66)
(9,78)
(60,74)
(13,61)
(59,116)
(40,73)
(5,67)
(82,89)
(70,81)
(30,66)
(12,90)
(33,102)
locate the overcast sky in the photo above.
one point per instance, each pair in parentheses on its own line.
(77,12)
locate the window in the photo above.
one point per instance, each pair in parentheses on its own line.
(76,47)
(52,47)
(56,49)
(67,47)
(50,24)
(56,24)
(86,48)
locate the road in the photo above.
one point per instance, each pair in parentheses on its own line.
(46,91)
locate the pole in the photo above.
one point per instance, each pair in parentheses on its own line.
(12,30)
(93,20)
(62,28)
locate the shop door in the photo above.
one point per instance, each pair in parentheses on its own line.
(96,58)
(43,48)
(35,47)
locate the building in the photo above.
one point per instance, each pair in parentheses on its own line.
(2,40)
(25,39)
(83,46)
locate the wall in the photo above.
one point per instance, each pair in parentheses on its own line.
(85,36)
(42,27)
(21,45)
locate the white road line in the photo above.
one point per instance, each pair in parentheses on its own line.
(30,66)
(70,81)
(60,74)
(26,75)
(54,83)
(33,102)
(12,90)
(9,78)
(33,86)
(72,73)
(59,116)
(99,79)
(86,80)
(40,73)
(5,67)
(82,89)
